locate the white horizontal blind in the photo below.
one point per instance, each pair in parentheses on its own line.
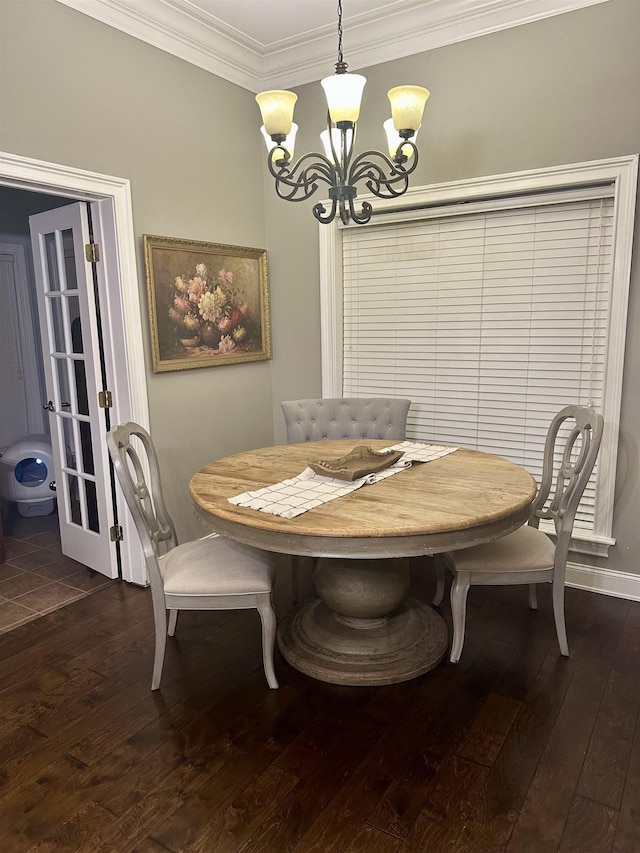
(489,322)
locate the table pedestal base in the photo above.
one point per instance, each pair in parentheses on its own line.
(405,644)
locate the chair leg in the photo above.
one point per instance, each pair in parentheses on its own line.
(558,615)
(268,619)
(459,590)
(160,620)
(438,560)
(173,621)
(533,597)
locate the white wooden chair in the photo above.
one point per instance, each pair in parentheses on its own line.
(212,573)
(529,556)
(345,417)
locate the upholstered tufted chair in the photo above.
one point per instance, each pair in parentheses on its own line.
(345,417)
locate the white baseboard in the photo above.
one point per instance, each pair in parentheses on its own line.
(606,581)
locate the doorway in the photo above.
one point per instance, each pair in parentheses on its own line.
(38,183)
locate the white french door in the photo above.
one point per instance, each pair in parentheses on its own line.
(73,375)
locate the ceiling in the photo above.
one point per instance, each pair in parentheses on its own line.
(270,44)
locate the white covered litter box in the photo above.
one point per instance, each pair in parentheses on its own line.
(26,470)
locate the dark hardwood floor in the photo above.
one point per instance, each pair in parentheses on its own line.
(514,749)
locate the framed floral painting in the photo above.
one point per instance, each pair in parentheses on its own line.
(208,303)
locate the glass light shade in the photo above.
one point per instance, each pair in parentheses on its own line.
(326,144)
(277,111)
(344,94)
(407,106)
(288,144)
(394,140)
(336,136)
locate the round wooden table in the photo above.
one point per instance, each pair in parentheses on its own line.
(363,629)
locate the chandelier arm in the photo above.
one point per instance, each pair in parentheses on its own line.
(398,170)
(363,216)
(320,212)
(388,190)
(300,181)
(383,185)
(286,172)
(371,171)
(291,194)
(344,213)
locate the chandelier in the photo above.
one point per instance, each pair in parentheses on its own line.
(384,176)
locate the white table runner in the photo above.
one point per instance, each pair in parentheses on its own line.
(309,490)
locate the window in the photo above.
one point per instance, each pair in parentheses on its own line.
(491,304)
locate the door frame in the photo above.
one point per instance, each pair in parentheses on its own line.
(125,365)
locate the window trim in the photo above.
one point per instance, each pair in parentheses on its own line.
(622,173)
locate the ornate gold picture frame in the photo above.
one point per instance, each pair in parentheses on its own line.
(208,303)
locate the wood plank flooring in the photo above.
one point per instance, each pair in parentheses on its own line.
(514,749)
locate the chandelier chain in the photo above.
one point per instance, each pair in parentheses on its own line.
(340,65)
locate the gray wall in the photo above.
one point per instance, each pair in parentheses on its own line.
(75,91)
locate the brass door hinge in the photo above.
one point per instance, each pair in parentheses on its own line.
(105,400)
(92,252)
(115,533)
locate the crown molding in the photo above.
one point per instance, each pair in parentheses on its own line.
(403,28)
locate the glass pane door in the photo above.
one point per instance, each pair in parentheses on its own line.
(68,321)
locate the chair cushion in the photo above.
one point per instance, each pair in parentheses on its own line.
(216,566)
(526,549)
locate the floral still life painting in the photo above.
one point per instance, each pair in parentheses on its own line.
(208,303)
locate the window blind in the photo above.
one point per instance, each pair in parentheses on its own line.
(490,322)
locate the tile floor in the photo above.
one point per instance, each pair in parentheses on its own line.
(37,577)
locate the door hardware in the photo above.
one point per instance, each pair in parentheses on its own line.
(92,252)
(51,408)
